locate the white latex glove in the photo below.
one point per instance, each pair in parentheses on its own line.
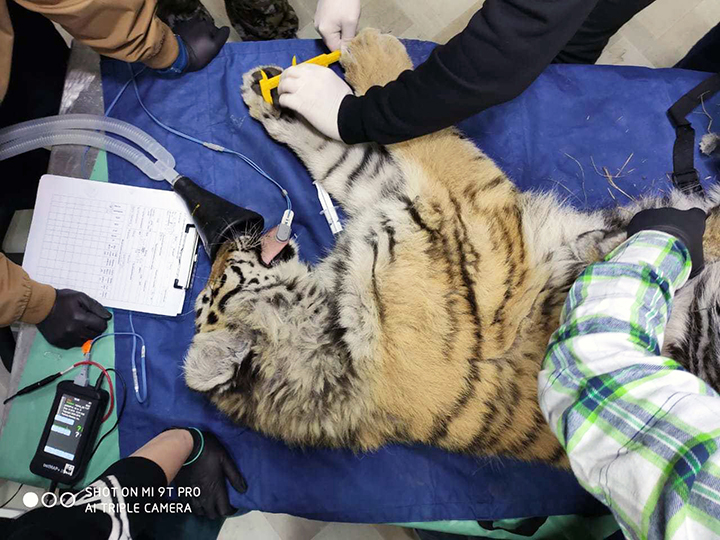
(315,92)
(337,21)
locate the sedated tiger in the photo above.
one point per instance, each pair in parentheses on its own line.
(429,320)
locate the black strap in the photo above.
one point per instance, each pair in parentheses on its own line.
(685,176)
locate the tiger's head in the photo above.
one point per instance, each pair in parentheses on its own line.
(246,263)
(243,267)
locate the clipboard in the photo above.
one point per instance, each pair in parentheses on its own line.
(127,247)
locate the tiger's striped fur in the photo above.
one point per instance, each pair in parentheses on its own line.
(429,320)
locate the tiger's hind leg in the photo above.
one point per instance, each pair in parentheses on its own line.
(692,335)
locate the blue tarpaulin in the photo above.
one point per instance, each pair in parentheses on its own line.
(561,134)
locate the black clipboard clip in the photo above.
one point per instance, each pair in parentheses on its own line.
(188,258)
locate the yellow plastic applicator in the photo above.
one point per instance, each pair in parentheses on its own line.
(270,83)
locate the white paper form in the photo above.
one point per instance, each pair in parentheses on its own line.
(127,247)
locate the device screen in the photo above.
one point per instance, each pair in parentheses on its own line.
(67,427)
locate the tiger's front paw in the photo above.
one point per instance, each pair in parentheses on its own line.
(252,95)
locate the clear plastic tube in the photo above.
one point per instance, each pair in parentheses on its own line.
(90,138)
(64,122)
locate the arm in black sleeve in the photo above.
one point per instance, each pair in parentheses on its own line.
(506,45)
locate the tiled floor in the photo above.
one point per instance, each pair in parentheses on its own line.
(663,33)
(657,37)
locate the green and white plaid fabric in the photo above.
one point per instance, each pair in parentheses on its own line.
(642,434)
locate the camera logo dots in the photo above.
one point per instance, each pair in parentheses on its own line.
(49,499)
(30,499)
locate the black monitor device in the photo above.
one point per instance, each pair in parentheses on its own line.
(70,432)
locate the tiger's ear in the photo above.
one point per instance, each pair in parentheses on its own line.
(213,358)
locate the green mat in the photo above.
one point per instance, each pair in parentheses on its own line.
(28,413)
(554,528)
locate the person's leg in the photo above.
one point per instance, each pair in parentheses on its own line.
(259,20)
(173,12)
(37,76)
(604,21)
(705,55)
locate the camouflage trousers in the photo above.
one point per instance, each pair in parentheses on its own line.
(259,20)
(254,20)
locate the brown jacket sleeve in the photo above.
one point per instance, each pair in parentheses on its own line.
(124,29)
(21,298)
(6,48)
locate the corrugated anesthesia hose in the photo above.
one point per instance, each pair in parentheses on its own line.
(156,171)
(52,124)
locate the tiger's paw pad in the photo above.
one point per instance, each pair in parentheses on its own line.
(260,109)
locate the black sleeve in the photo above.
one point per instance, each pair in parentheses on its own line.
(506,45)
(113,496)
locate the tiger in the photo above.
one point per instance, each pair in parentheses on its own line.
(429,320)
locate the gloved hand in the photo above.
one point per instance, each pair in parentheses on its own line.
(73,319)
(208,466)
(688,226)
(203,41)
(337,21)
(315,92)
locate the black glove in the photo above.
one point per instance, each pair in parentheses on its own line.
(203,41)
(73,319)
(688,226)
(208,471)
